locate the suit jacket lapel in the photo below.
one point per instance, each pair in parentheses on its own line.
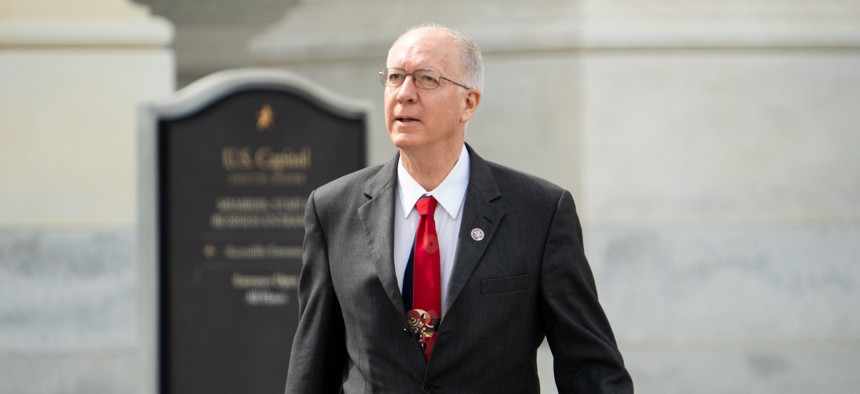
(479,213)
(377,215)
(378,218)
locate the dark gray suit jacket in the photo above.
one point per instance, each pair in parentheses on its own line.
(526,279)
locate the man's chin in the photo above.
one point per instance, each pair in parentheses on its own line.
(402,141)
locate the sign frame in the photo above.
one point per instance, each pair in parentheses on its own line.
(184,103)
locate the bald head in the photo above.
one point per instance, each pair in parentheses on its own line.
(468,56)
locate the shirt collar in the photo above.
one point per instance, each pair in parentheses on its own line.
(450,193)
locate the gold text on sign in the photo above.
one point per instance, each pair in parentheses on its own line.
(265,158)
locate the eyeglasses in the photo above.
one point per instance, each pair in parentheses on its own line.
(423,79)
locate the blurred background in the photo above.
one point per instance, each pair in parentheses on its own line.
(711,148)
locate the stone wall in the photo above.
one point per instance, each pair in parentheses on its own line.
(71,77)
(719,191)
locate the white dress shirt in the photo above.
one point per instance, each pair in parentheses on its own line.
(451,194)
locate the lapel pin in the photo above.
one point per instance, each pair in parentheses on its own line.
(477,234)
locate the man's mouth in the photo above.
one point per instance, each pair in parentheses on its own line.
(404,119)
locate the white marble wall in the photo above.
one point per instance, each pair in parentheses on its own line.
(719,188)
(71,77)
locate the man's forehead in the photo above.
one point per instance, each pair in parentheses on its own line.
(422,50)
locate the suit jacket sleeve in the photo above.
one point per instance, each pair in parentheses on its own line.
(586,357)
(318,353)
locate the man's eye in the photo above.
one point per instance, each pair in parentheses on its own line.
(395,77)
(428,79)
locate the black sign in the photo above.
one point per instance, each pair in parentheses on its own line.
(233,180)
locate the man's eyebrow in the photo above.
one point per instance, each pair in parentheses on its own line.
(419,69)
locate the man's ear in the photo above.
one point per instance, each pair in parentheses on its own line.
(473,99)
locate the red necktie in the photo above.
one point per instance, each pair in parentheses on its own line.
(424,318)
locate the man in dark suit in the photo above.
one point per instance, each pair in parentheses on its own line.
(503,258)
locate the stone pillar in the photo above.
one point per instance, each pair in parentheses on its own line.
(72,75)
(720,185)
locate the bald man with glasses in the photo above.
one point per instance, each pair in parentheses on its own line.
(439,271)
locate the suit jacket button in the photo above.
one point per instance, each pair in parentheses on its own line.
(428,387)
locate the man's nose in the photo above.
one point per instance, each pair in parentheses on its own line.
(407,91)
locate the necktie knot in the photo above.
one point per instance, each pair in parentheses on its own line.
(426,206)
